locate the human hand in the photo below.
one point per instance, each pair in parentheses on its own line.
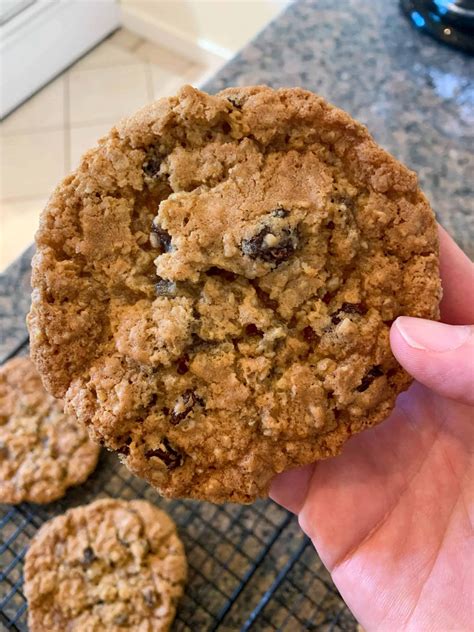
(392,516)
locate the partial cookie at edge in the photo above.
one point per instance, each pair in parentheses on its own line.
(42,450)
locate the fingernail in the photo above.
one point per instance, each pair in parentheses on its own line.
(430,335)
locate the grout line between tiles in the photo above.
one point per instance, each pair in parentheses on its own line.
(23,198)
(30,131)
(105,65)
(149,82)
(88,124)
(67,126)
(97,121)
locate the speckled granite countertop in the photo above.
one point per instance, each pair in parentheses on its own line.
(415,95)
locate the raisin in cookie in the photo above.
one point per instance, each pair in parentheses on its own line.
(215,284)
(112,565)
(42,450)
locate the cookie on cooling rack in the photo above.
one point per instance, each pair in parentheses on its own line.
(111,565)
(42,450)
(214,286)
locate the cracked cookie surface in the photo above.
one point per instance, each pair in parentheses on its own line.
(42,450)
(214,287)
(112,565)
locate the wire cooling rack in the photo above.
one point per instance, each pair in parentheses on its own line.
(250,567)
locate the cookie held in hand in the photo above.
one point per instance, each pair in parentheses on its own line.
(214,286)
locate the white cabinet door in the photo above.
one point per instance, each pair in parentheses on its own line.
(10,8)
(41,40)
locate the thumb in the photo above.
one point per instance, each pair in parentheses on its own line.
(439,356)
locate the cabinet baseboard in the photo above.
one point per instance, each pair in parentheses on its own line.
(163,34)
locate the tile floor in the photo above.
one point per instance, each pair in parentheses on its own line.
(44,138)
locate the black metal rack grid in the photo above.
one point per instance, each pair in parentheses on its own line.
(250,567)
